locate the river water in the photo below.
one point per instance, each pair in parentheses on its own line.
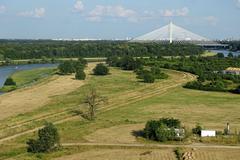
(226,52)
(7,71)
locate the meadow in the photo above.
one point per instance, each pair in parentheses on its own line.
(130,103)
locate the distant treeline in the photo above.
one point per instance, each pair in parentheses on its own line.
(208,69)
(233,45)
(29,49)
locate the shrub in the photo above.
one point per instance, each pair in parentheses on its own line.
(101,70)
(129,63)
(220,55)
(113,61)
(66,67)
(179,153)
(10,82)
(80,74)
(164,133)
(148,78)
(48,139)
(158,74)
(197,130)
(161,130)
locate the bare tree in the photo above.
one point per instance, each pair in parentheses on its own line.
(93,100)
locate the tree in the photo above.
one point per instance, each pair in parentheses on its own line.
(80,74)
(66,68)
(129,63)
(101,70)
(148,78)
(162,130)
(197,130)
(1,57)
(48,139)
(164,133)
(93,100)
(10,82)
(112,61)
(230,55)
(220,55)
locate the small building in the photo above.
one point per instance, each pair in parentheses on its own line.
(180,133)
(208,133)
(231,70)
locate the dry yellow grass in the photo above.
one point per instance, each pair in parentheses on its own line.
(216,154)
(31,98)
(124,134)
(123,154)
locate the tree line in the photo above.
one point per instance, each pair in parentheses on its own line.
(146,74)
(208,69)
(30,49)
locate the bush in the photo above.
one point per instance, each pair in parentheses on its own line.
(161,130)
(66,67)
(179,153)
(80,74)
(101,70)
(113,61)
(164,133)
(148,78)
(197,130)
(10,82)
(48,139)
(158,74)
(129,63)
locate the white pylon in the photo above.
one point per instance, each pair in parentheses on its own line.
(171,33)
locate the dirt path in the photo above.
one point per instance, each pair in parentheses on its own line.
(138,145)
(157,91)
(31,98)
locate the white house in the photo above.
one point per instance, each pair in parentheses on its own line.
(208,133)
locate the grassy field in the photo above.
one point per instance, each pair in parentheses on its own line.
(28,77)
(130,104)
(23,78)
(208,54)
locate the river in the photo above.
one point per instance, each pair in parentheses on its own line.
(6,71)
(226,52)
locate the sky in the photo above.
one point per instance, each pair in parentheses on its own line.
(116,19)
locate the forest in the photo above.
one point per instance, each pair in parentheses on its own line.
(30,49)
(208,69)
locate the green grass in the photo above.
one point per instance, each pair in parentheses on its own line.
(27,77)
(211,109)
(208,54)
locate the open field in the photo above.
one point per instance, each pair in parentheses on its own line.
(123,154)
(130,104)
(153,154)
(27,77)
(30,98)
(208,54)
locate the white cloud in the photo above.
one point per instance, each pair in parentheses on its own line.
(2,8)
(100,12)
(211,20)
(78,6)
(36,13)
(175,12)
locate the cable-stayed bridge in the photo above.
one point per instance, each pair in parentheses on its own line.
(172,33)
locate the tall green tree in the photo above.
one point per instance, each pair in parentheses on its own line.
(48,140)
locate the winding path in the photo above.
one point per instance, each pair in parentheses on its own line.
(158,90)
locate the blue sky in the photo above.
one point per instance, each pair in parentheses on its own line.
(109,19)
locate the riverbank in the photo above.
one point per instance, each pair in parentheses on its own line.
(25,75)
